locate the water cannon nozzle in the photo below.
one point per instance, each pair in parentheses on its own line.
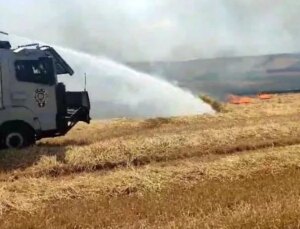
(4,33)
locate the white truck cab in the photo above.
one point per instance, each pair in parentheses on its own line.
(33,105)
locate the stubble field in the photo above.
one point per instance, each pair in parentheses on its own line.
(239,168)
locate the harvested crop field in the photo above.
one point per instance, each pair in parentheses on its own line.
(237,169)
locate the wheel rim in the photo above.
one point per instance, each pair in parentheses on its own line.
(14,140)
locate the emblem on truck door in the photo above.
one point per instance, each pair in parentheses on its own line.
(41,97)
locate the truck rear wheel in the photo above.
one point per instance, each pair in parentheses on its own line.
(16,136)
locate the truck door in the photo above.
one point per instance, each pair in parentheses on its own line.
(34,89)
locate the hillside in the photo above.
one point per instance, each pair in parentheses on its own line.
(222,76)
(239,168)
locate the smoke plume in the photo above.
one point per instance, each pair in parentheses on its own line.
(135,30)
(169,30)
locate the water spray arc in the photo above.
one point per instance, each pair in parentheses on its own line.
(119,91)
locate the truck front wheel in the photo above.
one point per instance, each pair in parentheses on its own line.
(17,136)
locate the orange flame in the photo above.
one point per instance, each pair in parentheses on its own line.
(239,100)
(264,96)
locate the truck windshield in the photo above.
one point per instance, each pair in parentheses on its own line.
(35,71)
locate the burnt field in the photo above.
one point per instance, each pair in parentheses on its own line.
(221,76)
(239,168)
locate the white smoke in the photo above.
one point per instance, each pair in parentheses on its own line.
(144,30)
(117,90)
(151,30)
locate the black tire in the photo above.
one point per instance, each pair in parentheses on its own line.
(16,136)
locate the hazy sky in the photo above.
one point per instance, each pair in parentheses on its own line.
(158,29)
